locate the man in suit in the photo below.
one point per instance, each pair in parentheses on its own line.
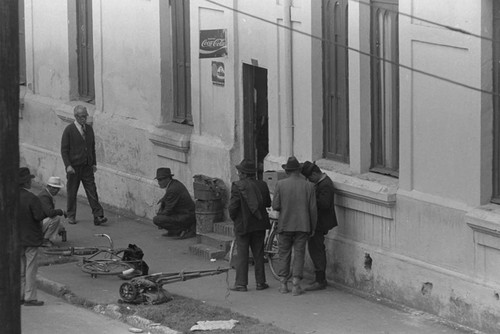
(247,208)
(30,216)
(78,154)
(177,210)
(326,221)
(295,199)
(51,224)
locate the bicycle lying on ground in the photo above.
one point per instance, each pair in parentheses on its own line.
(100,260)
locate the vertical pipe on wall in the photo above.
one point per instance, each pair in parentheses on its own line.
(288,76)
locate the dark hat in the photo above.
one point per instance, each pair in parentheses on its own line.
(291,164)
(247,166)
(163,172)
(308,168)
(25,175)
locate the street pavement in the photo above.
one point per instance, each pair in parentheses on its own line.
(58,317)
(333,310)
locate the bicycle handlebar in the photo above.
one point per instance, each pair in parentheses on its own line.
(107,236)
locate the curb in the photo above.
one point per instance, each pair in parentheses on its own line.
(110,310)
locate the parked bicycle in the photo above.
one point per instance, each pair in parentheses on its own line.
(271,254)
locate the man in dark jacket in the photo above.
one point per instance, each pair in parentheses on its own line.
(30,216)
(326,221)
(177,210)
(52,224)
(247,208)
(78,154)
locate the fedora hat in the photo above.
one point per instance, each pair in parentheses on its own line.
(292,164)
(55,181)
(247,166)
(163,172)
(25,175)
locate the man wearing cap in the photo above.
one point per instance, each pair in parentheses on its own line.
(78,154)
(30,216)
(247,208)
(326,221)
(295,199)
(51,224)
(177,210)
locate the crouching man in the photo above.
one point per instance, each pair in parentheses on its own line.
(52,224)
(177,210)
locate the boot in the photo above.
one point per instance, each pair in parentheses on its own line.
(319,283)
(296,289)
(283,285)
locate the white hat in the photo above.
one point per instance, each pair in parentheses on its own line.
(55,182)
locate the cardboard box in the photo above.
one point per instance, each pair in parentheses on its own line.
(271,177)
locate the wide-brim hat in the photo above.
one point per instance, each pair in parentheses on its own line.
(55,182)
(247,166)
(25,175)
(292,164)
(163,172)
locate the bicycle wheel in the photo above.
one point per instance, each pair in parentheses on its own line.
(128,292)
(271,253)
(105,267)
(68,251)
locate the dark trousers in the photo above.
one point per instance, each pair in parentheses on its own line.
(85,175)
(317,251)
(254,241)
(287,241)
(175,223)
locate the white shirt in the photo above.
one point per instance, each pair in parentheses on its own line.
(79,127)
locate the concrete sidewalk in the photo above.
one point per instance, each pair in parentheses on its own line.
(333,310)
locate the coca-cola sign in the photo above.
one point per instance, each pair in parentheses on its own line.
(213,43)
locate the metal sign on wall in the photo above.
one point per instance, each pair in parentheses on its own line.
(213,43)
(218,73)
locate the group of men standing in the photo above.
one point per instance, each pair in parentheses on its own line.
(305,202)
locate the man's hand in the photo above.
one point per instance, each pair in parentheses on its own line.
(70,170)
(94,168)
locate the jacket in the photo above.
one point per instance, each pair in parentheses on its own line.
(75,150)
(176,201)
(295,199)
(47,202)
(326,208)
(247,206)
(30,216)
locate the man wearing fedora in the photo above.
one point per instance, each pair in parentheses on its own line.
(327,220)
(295,199)
(177,210)
(78,154)
(30,216)
(247,208)
(51,224)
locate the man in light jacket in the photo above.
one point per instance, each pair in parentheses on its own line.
(295,199)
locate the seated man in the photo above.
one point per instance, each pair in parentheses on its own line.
(52,224)
(177,210)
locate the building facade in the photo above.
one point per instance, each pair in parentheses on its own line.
(397,101)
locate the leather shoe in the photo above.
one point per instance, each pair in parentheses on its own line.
(71,221)
(314,286)
(262,286)
(186,234)
(100,220)
(33,303)
(47,243)
(240,288)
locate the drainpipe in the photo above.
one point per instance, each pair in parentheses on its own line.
(288,79)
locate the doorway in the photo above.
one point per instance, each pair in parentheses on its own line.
(255,116)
